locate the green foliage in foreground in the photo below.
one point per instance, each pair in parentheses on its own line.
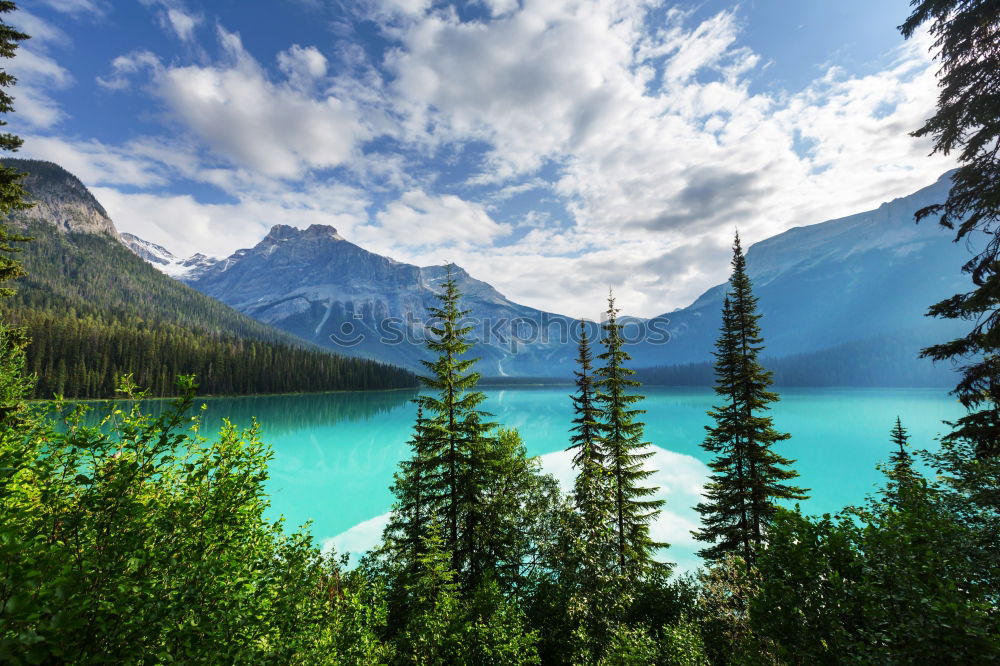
(877,584)
(141,541)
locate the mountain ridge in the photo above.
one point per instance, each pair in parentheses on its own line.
(858,279)
(837,281)
(316,284)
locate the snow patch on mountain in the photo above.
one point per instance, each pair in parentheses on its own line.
(165,261)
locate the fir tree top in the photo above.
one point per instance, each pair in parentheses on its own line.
(13,197)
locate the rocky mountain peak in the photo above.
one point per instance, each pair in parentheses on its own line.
(281,232)
(61,199)
(284,232)
(322,230)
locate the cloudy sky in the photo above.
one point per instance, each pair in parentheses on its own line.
(554,148)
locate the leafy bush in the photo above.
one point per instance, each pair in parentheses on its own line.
(138,540)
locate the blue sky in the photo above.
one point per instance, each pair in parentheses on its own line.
(554,148)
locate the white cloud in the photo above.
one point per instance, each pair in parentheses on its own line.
(86,7)
(185,225)
(531,83)
(41,32)
(499,7)
(418,219)
(270,127)
(38,74)
(182,23)
(96,163)
(175,18)
(387,9)
(654,163)
(125,67)
(302,64)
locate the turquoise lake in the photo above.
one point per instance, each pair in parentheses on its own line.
(335,453)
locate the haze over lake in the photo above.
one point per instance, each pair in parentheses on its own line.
(335,453)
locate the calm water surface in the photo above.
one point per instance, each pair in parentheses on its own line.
(335,453)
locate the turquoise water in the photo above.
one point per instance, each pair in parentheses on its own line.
(335,453)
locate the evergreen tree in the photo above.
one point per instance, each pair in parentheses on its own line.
(900,470)
(15,386)
(748,477)
(12,194)
(492,509)
(458,466)
(968,120)
(589,491)
(625,453)
(455,431)
(902,462)
(589,568)
(725,514)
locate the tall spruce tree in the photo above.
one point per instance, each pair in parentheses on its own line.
(967,120)
(451,442)
(590,571)
(725,515)
(748,477)
(625,453)
(589,490)
(414,507)
(458,462)
(15,386)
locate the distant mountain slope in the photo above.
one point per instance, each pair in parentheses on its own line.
(317,285)
(95,310)
(865,277)
(880,361)
(862,282)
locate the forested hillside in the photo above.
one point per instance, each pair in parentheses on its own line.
(887,360)
(94,310)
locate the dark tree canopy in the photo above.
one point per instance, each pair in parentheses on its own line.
(748,477)
(966,34)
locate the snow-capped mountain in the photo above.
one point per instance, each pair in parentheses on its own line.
(164,260)
(323,288)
